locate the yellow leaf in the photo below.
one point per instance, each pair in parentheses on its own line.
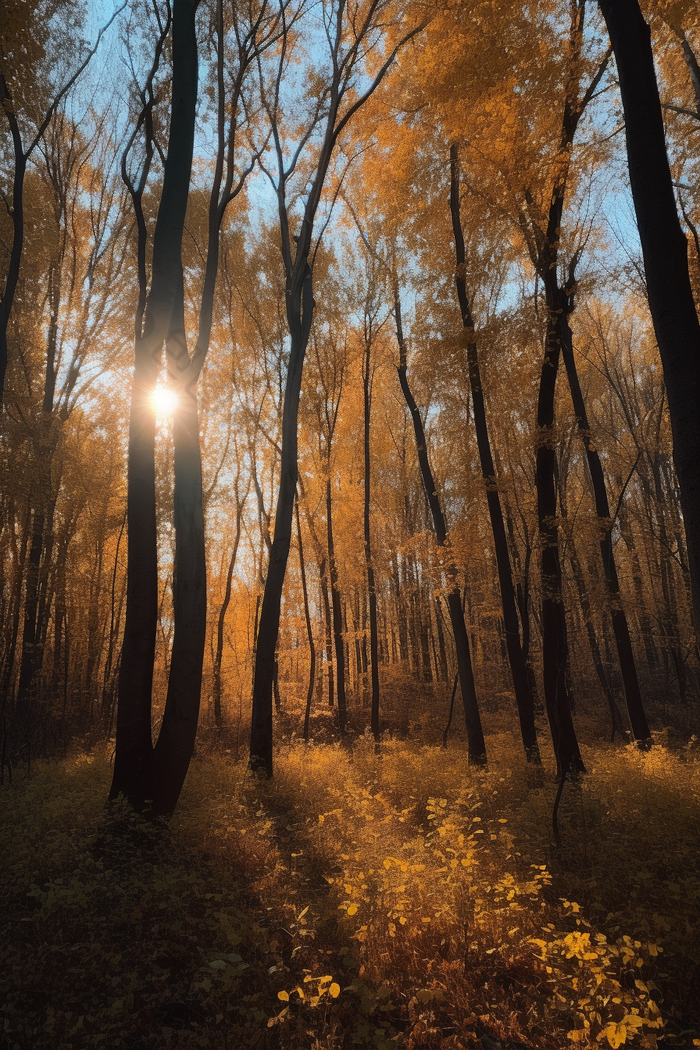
(616,1034)
(352,909)
(284,996)
(334,990)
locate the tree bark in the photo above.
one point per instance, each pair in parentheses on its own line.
(554,639)
(268,629)
(369,565)
(475,736)
(134,750)
(176,739)
(665,252)
(337,612)
(524,697)
(309,629)
(628,667)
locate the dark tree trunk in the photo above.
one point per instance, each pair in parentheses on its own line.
(309,630)
(107,688)
(665,252)
(133,757)
(216,686)
(628,667)
(554,639)
(337,614)
(475,735)
(524,696)
(618,725)
(268,630)
(652,656)
(17,213)
(371,586)
(544,245)
(441,640)
(175,745)
(423,633)
(328,630)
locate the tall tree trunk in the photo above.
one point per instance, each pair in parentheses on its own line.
(665,252)
(176,739)
(337,613)
(618,725)
(309,629)
(628,667)
(132,765)
(328,629)
(369,565)
(216,684)
(524,697)
(472,718)
(17,214)
(669,619)
(268,630)
(107,688)
(441,641)
(651,654)
(554,640)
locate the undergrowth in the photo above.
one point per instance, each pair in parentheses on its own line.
(390,901)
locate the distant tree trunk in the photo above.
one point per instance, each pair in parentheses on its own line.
(524,696)
(665,252)
(216,686)
(328,628)
(20,558)
(441,640)
(628,667)
(113,625)
(423,632)
(401,617)
(309,629)
(669,618)
(475,735)
(652,656)
(618,725)
(337,613)
(369,565)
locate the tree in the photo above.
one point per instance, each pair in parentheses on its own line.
(335,102)
(14,203)
(665,252)
(475,735)
(521,681)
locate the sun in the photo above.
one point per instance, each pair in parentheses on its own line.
(164,401)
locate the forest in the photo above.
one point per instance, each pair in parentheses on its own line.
(349,524)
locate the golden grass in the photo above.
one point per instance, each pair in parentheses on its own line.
(400,900)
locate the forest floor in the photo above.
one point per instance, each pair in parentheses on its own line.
(401,900)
